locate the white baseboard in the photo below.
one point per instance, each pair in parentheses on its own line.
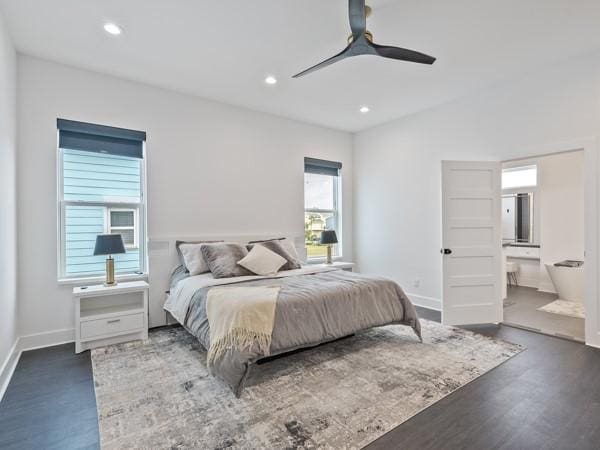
(593,344)
(426,302)
(46,339)
(31,342)
(8,367)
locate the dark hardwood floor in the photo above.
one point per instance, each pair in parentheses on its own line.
(50,402)
(547,397)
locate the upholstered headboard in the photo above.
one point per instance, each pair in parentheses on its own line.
(162,259)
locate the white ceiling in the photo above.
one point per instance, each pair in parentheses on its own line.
(223,49)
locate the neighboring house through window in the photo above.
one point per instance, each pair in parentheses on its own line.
(101,191)
(322,188)
(124,222)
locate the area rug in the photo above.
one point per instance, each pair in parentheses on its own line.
(345,394)
(565,308)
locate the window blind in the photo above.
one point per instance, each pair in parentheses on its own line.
(94,138)
(322,167)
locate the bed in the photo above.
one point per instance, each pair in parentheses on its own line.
(313,305)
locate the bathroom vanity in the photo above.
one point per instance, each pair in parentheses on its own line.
(522,251)
(527,256)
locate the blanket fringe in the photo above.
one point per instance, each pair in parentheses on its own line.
(239,339)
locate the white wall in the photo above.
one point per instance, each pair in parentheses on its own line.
(561,197)
(212,169)
(8,198)
(397,178)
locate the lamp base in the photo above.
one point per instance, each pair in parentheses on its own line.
(110,272)
(329,259)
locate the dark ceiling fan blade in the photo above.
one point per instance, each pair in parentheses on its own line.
(341,55)
(358,17)
(402,54)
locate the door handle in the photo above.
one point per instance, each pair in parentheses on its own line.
(445,251)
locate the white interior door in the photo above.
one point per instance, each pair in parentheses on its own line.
(472,242)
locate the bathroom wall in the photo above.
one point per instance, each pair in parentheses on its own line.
(561,198)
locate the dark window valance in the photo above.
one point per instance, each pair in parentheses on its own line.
(322,167)
(90,137)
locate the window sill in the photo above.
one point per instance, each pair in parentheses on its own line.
(310,261)
(100,279)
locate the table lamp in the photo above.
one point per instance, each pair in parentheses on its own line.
(328,237)
(109,244)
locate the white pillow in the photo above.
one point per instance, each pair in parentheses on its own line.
(192,256)
(262,261)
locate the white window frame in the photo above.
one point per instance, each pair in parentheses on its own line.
(519,169)
(109,227)
(337,214)
(62,204)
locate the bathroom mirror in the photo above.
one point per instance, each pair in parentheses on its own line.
(517,217)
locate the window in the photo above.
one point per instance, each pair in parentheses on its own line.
(124,222)
(321,205)
(101,191)
(516,177)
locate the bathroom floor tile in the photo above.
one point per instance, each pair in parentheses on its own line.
(521,309)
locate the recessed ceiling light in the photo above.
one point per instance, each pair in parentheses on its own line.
(364,109)
(271,80)
(112,28)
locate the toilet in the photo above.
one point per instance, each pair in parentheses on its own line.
(568,282)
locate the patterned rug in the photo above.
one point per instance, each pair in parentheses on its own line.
(344,394)
(565,308)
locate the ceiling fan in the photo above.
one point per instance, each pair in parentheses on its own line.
(361,42)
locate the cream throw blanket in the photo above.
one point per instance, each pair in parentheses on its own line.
(240,317)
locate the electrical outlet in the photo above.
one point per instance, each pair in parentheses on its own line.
(417,283)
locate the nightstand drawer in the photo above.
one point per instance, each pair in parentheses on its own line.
(118,324)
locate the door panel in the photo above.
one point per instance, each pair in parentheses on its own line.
(476,208)
(471,208)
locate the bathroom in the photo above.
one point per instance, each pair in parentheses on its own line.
(543,244)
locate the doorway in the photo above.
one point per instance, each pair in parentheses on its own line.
(469,294)
(543,244)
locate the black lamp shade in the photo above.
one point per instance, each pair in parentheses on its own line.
(109,244)
(329,237)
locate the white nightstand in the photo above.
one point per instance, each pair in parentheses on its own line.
(109,315)
(348,266)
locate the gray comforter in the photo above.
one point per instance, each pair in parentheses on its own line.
(311,309)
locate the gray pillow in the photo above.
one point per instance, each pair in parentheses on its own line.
(180,255)
(222,259)
(275,246)
(177,275)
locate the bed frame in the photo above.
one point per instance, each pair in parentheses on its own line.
(162,259)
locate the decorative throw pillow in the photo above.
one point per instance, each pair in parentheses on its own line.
(178,244)
(193,259)
(222,259)
(276,246)
(262,261)
(289,247)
